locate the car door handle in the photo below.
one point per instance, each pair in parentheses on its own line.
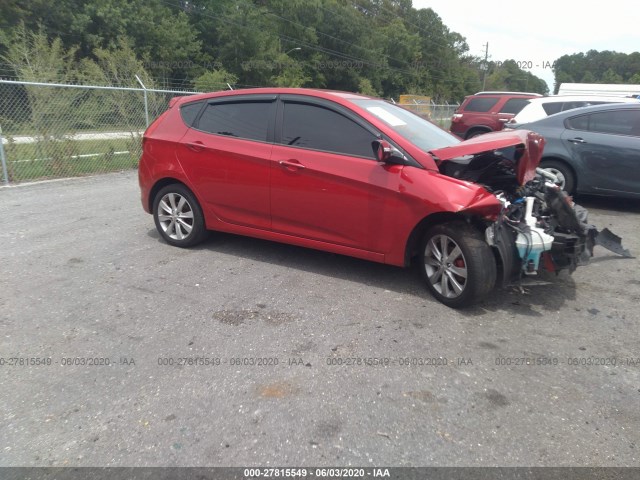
(576,140)
(291,164)
(196,146)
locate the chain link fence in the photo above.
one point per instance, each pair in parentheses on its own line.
(440,114)
(54,130)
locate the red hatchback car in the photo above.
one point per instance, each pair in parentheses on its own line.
(357,176)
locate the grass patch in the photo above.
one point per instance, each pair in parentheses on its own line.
(70,158)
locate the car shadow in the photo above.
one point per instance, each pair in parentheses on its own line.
(533,297)
(527,300)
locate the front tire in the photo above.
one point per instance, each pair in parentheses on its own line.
(178,216)
(457,264)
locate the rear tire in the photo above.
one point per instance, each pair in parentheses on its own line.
(178,216)
(563,172)
(457,264)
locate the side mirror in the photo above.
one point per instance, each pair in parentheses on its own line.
(387,153)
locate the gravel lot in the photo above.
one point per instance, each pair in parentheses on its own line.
(84,275)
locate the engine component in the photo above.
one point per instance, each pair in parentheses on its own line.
(532,241)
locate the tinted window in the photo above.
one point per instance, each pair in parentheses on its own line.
(621,122)
(578,123)
(319,128)
(618,122)
(551,108)
(248,120)
(579,104)
(190,111)
(480,104)
(572,105)
(514,105)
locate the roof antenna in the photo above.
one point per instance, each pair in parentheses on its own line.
(230,87)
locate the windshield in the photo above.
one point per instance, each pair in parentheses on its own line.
(422,133)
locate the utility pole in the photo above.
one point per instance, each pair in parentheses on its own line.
(486,65)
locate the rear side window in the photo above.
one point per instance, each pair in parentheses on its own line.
(514,105)
(587,104)
(480,104)
(319,128)
(578,123)
(572,105)
(248,119)
(557,107)
(617,122)
(621,122)
(552,107)
(190,111)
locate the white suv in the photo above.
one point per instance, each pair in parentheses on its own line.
(543,107)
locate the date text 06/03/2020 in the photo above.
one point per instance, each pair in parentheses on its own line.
(251,473)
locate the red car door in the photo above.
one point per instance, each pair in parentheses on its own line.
(326,184)
(226,158)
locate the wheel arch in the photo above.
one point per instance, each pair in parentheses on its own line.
(160,184)
(475,130)
(415,237)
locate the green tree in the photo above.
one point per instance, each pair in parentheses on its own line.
(346,45)
(562,77)
(596,67)
(508,76)
(33,57)
(611,77)
(50,111)
(366,88)
(215,80)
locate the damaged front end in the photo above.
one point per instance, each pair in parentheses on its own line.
(538,227)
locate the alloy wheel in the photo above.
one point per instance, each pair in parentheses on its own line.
(445,266)
(175,216)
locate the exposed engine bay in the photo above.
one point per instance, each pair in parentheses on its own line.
(539,226)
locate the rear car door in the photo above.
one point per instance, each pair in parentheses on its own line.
(607,146)
(226,158)
(325,182)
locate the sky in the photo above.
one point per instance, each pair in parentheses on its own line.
(537,33)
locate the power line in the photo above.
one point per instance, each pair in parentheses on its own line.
(337,39)
(404,20)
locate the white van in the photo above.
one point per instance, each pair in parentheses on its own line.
(618,89)
(543,107)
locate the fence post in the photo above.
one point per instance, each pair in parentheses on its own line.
(146,102)
(5,173)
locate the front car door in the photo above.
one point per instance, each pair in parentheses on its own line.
(325,182)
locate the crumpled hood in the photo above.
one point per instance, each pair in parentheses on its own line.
(529,146)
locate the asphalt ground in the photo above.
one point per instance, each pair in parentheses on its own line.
(119,350)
